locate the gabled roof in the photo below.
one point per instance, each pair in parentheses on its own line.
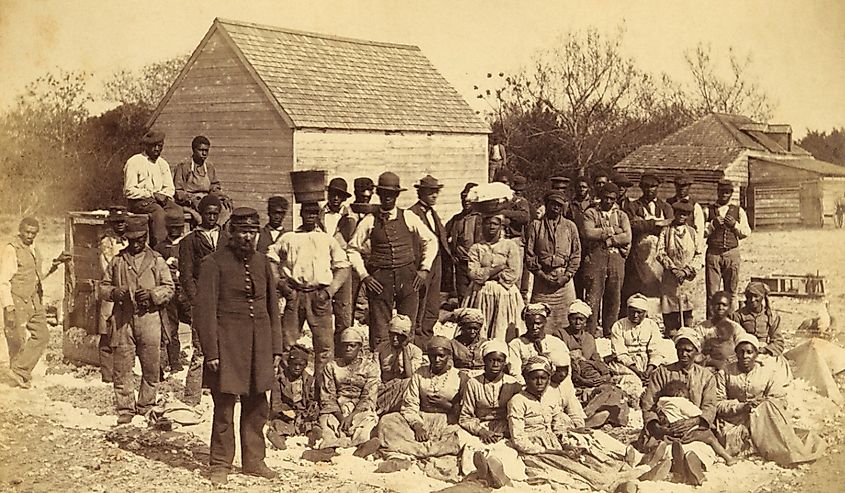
(328,82)
(822,168)
(711,143)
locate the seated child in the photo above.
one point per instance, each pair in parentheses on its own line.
(293,407)
(674,405)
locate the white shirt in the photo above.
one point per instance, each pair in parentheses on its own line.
(520,349)
(308,257)
(143,177)
(8,269)
(359,244)
(212,235)
(742,228)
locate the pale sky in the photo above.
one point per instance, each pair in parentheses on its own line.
(798,46)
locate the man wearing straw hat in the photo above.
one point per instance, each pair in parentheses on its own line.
(429,309)
(392,276)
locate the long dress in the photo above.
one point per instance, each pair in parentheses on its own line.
(348,388)
(766,428)
(633,345)
(395,432)
(676,248)
(496,295)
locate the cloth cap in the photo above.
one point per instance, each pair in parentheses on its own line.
(536,363)
(555,196)
(277,202)
(363,183)
(137,226)
(465,316)
(152,137)
(494,346)
(174,217)
(439,342)
(117,213)
(757,288)
(649,180)
(621,180)
(519,182)
(536,309)
(610,187)
(207,201)
(428,182)
(725,185)
(638,301)
(339,185)
(310,207)
(298,351)
(749,338)
(687,334)
(559,358)
(351,334)
(683,206)
(683,180)
(400,324)
(469,186)
(389,181)
(560,178)
(580,307)
(244,216)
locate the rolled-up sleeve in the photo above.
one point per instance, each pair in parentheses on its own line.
(358,247)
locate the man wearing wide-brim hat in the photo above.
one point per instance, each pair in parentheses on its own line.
(726,224)
(683,184)
(336,219)
(139,284)
(649,214)
(428,189)
(148,184)
(392,275)
(236,315)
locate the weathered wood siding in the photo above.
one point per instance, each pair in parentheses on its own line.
(454,159)
(777,205)
(766,172)
(251,146)
(832,188)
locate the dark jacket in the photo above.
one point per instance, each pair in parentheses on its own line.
(640,226)
(192,250)
(236,314)
(437,227)
(265,239)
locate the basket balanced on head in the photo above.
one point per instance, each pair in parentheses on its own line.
(308,185)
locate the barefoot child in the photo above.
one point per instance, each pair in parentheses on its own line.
(674,405)
(293,408)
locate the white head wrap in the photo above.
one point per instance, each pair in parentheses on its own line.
(494,346)
(580,307)
(638,301)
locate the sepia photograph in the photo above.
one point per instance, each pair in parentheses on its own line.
(468,246)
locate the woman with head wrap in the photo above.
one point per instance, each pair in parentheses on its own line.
(535,341)
(677,252)
(398,358)
(348,394)
(469,338)
(483,420)
(495,269)
(750,411)
(633,342)
(426,426)
(719,333)
(758,319)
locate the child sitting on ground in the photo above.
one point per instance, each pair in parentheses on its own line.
(293,407)
(674,405)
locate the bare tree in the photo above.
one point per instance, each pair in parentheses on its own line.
(146,86)
(733,91)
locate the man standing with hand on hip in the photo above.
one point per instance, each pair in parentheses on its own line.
(726,224)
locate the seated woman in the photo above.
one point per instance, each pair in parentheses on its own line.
(348,394)
(398,358)
(535,341)
(469,338)
(293,407)
(633,343)
(495,269)
(758,319)
(719,333)
(603,401)
(427,424)
(562,384)
(483,420)
(750,411)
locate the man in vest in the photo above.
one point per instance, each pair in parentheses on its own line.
(391,276)
(683,183)
(429,309)
(138,282)
(336,220)
(277,209)
(20,294)
(726,224)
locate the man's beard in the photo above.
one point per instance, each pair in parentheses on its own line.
(245,249)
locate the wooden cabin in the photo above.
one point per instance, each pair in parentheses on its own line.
(272,100)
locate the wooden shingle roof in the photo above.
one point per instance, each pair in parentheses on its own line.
(329,82)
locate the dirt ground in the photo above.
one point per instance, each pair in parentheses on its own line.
(59,435)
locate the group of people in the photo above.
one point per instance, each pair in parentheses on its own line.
(518,392)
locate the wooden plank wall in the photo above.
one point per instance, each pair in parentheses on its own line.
(777,205)
(764,172)
(832,188)
(454,159)
(251,146)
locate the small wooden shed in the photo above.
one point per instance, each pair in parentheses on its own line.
(273,100)
(779,183)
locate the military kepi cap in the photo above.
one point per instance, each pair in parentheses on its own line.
(136,226)
(244,216)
